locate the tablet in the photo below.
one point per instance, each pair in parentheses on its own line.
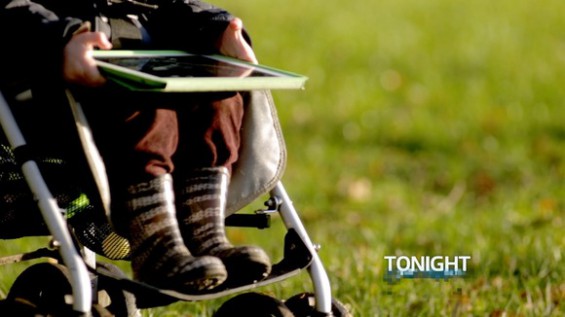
(179,71)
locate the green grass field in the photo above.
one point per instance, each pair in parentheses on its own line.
(426,128)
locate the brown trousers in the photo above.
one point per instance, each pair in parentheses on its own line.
(142,136)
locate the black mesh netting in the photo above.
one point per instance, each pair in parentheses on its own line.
(21,217)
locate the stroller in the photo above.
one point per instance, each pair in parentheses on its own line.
(76,281)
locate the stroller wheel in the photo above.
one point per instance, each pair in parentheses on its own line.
(44,286)
(253,305)
(303,305)
(9,307)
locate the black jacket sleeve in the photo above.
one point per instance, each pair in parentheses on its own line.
(189,25)
(33,39)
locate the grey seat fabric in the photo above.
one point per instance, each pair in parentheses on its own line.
(262,156)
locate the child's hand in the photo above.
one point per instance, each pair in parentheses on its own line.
(78,66)
(233,43)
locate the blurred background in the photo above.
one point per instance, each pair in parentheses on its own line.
(426,128)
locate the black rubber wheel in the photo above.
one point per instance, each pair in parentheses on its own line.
(303,305)
(253,305)
(9,307)
(122,303)
(44,286)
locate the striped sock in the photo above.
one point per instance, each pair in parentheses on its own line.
(158,254)
(201,219)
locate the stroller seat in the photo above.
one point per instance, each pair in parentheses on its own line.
(260,167)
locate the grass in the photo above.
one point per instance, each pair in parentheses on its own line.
(426,128)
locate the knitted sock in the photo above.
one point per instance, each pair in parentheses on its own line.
(158,254)
(201,219)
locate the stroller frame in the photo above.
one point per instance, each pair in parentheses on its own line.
(78,265)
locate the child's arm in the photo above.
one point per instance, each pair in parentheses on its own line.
(78,65)
(234,44)
(189,25)
(33,38)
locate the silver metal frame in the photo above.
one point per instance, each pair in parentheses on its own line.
(80,280)
(318,275)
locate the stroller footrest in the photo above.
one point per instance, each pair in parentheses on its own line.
(260,221)
(297,257)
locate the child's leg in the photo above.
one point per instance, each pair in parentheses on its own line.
(209,146)
(137,146)
(158,255)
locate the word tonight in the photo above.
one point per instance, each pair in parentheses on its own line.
(427,263)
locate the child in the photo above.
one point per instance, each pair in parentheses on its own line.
(175,230)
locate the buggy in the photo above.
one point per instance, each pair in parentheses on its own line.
(76,281)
